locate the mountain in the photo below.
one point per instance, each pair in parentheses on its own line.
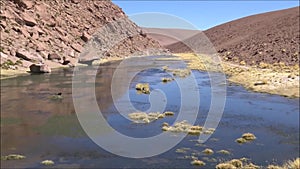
(47,30)
(163,35)
(270,37)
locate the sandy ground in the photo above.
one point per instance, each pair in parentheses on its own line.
(274,79)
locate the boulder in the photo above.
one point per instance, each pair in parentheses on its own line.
(54,56)
(41,47)
(39,68)
(28,19)
(24,32)
(35,36)
(3,58)
(25,3)
(75,1)
(29,56)
(39,30)
(77,47)
(85,37)
(71,53)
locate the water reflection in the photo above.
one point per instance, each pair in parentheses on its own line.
(41,128)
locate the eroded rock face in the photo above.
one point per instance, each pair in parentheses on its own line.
(29,56)
(32,30)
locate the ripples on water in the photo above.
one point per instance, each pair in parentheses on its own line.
(40,128)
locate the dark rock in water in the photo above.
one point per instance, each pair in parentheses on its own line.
(39,68)
(66,62)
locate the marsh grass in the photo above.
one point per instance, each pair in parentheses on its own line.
(198,162)
(13,157)
(291,164)
(224,152)
(142,117)
(246,137)
(143,88)
(166,79)
(183,127)
(47,162)
(208,151)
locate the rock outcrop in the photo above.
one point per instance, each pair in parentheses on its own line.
(33,29)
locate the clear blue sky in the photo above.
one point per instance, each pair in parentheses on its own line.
(202,14)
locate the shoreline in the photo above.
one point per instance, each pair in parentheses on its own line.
(276,79)
(22,71)
(273,79)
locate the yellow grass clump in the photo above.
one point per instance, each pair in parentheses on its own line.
(180,72)
(165,124)
(198,162)
(196,128)
(225,166)
(208,151)
(13,157)
(143,87)
(291,164)
(183,127)
(165,68)
(241,140)
(248,136)
(274,167)
(251,166)
(194,132)
(224,152)
(166,79)
(142,117)
(47,162)
(237,163)
(169,113)
(209,131)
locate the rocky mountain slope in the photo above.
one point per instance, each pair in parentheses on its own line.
(271,37)
(47,30)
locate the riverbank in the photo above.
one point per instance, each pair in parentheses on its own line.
(274,79)
(267,78)
(23,71)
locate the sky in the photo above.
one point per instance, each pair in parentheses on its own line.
(196,14)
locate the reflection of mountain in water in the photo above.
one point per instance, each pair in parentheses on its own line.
(28,112)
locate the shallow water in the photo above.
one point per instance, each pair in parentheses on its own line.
(40,128)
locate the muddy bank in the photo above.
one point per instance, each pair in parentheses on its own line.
(269,78)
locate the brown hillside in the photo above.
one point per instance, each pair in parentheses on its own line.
(162,35)
(269,37)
